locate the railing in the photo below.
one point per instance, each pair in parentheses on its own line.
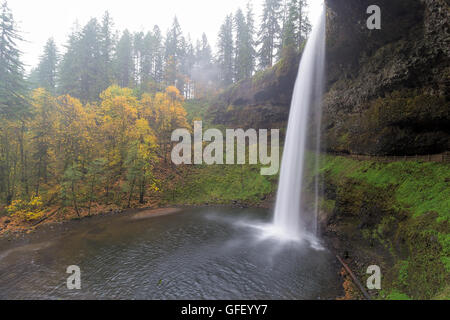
(441,157)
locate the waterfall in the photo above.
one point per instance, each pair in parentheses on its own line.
(306,100)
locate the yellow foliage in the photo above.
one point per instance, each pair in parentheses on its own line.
(26,211)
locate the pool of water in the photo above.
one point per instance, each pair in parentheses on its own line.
(206,253)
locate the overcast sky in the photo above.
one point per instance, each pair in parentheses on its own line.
(40,20)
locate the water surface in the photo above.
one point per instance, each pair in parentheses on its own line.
(207,253)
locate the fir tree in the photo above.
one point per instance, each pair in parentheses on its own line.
(124,64)
(46,70)
(270,33)
(226,51)
(12,84)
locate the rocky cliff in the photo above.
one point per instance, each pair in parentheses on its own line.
(387,90)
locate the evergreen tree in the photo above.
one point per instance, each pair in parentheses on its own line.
(158,59)
(297,26)
(203,71)
(203,52)
(244,56)
(90,59)
(12,84)
(269,34)
(226,51)
(181,66)
(303,25)
(107,46)
(289,38)
(81,66)
(251,41)
(146,60)
(124,64)
(173,50)
(138,56)
(69,67)
(187,66)
(46,70)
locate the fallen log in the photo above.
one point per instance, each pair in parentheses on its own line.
(355,280)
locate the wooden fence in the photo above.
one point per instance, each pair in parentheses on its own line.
(442,157)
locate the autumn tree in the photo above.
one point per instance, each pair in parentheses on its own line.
(42,129)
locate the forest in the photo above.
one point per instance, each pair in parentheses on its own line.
(90,126)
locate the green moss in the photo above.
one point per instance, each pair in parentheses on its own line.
(418,187)
(403,207)
(222,184)
(403,273)
(395,295)
(444,240)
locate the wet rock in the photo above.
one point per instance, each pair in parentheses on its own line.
(387,90)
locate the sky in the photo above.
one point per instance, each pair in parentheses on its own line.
(40,20)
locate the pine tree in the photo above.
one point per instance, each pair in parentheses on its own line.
(203,52)
(124,64)
(289,38)
(81,66)
(138,56)
(203,71)
(146,60)
(251,41)
(303,25)
(69,67)
(107,46)
(158,59)
(245,52)
(46,70)
(297,26)
(241,45)
(91,62)
(12,84)
(270,33)
(187,66)
(226,51)
(173,50)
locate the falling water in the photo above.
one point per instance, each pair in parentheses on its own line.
(306,98)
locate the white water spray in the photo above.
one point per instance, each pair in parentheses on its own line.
(307,92)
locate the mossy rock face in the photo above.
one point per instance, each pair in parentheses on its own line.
(394,215)
(387,90)
(404,122)
(423,275)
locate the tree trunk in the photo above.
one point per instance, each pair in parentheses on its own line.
(74,198)
(142,191)
(131,192)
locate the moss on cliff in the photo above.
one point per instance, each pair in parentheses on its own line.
(221,184)
(387,90)
(394,215)
(390,124)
